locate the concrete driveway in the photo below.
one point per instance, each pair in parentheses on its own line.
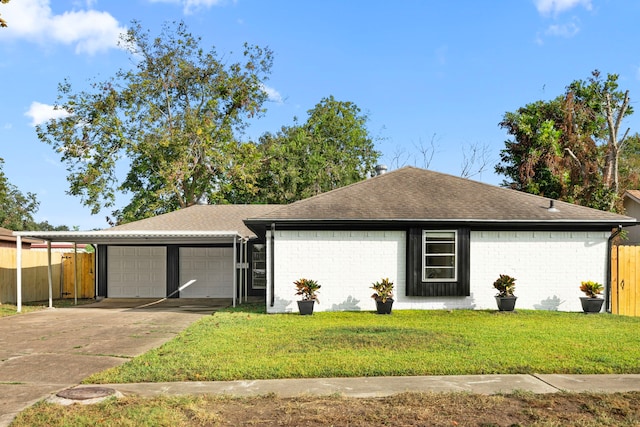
(49,350)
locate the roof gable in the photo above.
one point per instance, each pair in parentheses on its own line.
(413,194)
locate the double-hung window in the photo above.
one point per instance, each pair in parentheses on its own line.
(439,255)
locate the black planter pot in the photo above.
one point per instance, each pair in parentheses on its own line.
(384,307)
(591,305)
(306,307)
(506,303)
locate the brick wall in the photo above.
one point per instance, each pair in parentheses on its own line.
(548,267)
(345,263)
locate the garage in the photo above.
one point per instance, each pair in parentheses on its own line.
(137,272)
(210,271)
(197,252)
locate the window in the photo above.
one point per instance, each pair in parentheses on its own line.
(440,256)
(438,262)
(259,267)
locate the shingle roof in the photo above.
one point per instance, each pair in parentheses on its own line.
(633,194)
(201,218)
(416,194)
(7,236)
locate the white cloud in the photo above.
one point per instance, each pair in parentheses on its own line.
(42,113)
(273,94)
(89,30)
(547,7)
(191,6)
(565,30)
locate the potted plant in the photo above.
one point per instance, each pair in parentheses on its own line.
(307,288)
(591,303)
(383,295)
(505,285)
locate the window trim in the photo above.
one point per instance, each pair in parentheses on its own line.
(424,256)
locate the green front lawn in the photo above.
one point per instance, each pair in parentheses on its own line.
(235,345)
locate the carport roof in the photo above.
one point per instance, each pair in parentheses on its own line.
(195,224)
(106,237)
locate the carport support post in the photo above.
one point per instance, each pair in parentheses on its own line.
(235,282)
(75,273)
(49,273)
(19,273)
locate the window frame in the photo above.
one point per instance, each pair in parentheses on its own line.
(425,255)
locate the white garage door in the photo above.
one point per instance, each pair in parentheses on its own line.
(137,272)
(212,270)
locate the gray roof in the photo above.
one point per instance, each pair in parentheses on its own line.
(201,218)
(196,224)
(413,194)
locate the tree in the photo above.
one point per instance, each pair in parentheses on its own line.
(568,148)
(174,117)
(331,149)
(608,107)
(16,209)
(3,23)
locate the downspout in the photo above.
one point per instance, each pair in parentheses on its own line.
(272,265)
(607,308)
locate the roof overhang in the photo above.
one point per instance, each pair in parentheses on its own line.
(259,225)
(108,237)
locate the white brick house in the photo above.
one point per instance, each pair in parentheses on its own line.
(441,239)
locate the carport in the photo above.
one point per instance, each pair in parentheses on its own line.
(238,268)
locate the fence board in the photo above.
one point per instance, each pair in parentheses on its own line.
(625,280)
(35,280)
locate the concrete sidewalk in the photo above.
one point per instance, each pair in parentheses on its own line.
(385,386)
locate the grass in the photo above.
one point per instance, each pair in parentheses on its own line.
(31,306)
(234,344)
(407,409)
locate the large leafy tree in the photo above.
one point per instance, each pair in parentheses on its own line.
(332,148)
(570,148)
(3,23)
(174,118)
(16,208)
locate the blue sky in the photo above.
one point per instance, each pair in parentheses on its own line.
(424,71)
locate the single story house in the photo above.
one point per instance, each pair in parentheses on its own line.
(8,240)
(631,203)
(443,240)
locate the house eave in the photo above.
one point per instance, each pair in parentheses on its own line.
(108,237)
(258,225)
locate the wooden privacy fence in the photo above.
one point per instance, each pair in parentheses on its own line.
(35,279)
(625,280)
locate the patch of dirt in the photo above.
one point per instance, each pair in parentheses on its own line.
(418,409)
(407,409)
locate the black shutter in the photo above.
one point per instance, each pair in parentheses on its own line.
(173,270)
(101,256)
(415,285)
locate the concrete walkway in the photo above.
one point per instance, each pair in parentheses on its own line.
(385,386)
(46,351)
